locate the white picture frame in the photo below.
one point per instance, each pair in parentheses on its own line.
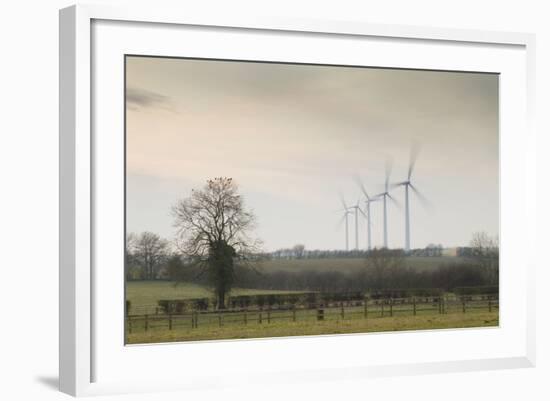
(84,336)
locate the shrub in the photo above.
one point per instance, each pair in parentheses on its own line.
(172,306)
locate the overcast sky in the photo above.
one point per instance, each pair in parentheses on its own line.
(294,136)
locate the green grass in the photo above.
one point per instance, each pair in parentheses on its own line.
(144,295)
(349,265)
(304,327)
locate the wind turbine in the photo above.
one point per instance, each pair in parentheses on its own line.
(347,212)
(356,212)
(408,184)
(368,201)
(385,195)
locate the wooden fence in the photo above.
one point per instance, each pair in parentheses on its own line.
(366,309)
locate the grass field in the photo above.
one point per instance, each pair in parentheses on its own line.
(352,264)
(312,327)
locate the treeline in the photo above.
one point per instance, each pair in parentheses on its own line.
(446,277)
(148,257)
(384,269)
(300,252)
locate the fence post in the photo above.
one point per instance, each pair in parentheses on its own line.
(146,323)
(490,306)
(268,316)
(129,325)
(342,309)
(219,319)
(320,314)
(414,306)
(245,317)
(365,309)
(382,309)
(391,306)
(260,318)
(170,322)
(463,305)
(293,314)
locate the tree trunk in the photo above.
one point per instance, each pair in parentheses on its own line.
(221,299)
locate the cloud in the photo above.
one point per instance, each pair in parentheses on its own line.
(137,98)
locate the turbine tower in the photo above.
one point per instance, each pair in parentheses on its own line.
(367,213)
(385,195)
(347,211)
(356,213)
(408,185)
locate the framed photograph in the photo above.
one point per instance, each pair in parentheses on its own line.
(273,190)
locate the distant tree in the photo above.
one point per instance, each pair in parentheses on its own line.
(213,231)
(148,251)
(485,251)
(298,250)
(131,268)
(176,270)
(383,266)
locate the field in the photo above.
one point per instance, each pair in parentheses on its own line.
(349,265)
(481,318)
(147,323)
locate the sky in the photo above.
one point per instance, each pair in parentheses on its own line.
(295,137)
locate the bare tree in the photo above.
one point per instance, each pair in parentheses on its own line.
(147,250)
(130,265)
(485,250)
(213,231)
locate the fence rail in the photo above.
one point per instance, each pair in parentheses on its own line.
(366,309)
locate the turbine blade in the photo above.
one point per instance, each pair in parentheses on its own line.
(388,168)
(361,210)
(340,222)
(395,201)
(359,182)
(426,204)
(343,201)
(398,184)
(375,198)
(415,149)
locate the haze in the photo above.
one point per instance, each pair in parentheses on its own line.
(294,136)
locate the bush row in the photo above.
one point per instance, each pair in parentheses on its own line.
(180,305)
(486,289)
(306,299)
